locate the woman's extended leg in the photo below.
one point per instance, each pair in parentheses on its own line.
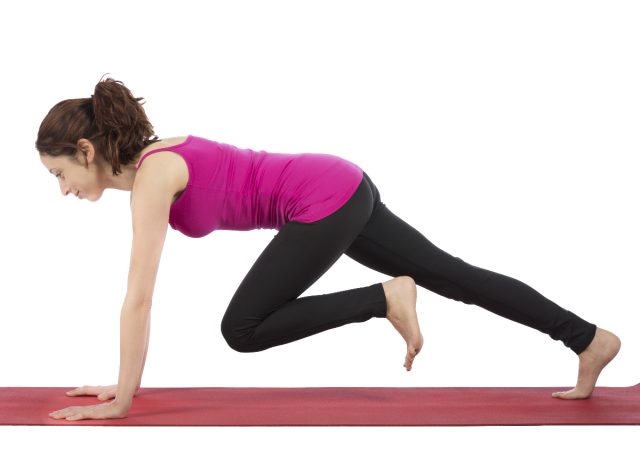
(390,245)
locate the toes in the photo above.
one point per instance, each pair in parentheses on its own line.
(563,393)
(572,395)
(411,354)
(408,362)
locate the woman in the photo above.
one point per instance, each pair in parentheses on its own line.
(321,205)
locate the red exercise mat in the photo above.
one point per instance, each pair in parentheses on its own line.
(334,406)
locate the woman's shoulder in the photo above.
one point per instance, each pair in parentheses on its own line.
(160,144)
(166,164)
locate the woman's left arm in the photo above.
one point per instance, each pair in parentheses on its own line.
(151,198)
(134,321)
(144,358)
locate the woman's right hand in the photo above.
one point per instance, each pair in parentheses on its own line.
(103,392)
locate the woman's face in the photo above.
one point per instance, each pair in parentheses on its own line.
(82,178)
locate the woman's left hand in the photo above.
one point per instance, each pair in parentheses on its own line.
(111,409)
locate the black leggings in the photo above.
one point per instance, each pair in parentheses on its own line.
(266,309)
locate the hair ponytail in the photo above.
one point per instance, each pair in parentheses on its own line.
(112,119)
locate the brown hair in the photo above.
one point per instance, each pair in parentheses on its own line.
(112,119)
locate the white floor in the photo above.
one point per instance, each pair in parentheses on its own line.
(533,446)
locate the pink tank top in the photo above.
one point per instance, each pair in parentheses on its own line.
(241,189)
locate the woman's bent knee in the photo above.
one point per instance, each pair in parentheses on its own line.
(242,344)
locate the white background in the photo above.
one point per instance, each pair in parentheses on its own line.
(506,132)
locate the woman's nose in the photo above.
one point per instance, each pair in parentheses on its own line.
(63,189)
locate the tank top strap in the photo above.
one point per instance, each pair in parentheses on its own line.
(166,148)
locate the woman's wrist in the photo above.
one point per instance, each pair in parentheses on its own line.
(123,403)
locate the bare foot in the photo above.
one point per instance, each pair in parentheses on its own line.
(401,296)
(602,349)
